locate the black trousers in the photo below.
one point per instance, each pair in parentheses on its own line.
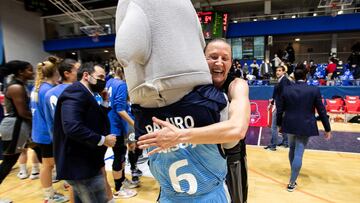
(6,165)
(237,180)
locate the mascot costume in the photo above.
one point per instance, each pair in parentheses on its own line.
(160,45)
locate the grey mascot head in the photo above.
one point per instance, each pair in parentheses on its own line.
(160,45)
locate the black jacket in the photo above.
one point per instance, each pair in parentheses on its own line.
(296,110)
(78,126)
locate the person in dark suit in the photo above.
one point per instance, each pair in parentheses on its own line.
(278,89)
(81,136)
(296,117)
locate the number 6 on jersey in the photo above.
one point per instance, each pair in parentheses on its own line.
(175,180)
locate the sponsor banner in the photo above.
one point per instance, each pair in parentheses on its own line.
(260,116)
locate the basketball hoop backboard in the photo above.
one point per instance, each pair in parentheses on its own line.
(334,3)
(93,30)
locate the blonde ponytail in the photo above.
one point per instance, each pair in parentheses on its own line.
(44,70)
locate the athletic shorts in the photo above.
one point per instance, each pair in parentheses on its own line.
(46,150)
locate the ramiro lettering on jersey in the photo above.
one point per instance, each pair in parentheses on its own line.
(180,122)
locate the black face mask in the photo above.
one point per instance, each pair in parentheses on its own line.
(98,87)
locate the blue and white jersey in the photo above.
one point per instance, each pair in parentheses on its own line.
(40,133)
(188,172)
(51,98)
(117,91)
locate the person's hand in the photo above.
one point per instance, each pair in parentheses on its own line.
(279,129)
(110,140)
(166,137)
(132,146)
(269,107)
(104,95)
(328,135)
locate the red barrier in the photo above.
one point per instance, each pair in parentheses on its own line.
(259,114)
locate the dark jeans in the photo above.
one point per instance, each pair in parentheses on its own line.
(90,190)
(297,147)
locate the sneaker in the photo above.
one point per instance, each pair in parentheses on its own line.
(130,184)
(124,194)
(136,172)
(5,201)
(22,175)
(57,198)
(291,187)
(271,148)
(135,180)
(34,175)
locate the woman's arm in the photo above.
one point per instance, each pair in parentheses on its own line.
(231,130)
(17,94)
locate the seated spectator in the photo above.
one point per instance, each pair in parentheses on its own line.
(312,68)
(330,69)
(255,69)
(338,71)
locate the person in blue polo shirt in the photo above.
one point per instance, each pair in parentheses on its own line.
(119,120)
(46,78)
(68,71)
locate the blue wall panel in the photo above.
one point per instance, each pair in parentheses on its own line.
(340,23)
(79,43)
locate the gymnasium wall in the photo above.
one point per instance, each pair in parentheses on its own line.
(22,33)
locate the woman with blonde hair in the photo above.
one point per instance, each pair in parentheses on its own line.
(47,77)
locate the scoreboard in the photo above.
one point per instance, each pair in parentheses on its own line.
(214,24)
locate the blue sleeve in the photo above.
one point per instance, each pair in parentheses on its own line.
(73,123)
(49,111)
(120,98)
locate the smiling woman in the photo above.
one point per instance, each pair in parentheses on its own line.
(218,58)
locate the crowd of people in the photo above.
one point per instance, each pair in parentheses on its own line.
(333,73)
(67,96)
(30,122)
(189,110)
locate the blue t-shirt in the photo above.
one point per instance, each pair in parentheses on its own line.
(187,172)
(51,98)
(39,132)
(117,90)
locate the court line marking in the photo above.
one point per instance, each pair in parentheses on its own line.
(314,150)
(259,137)
(283,184)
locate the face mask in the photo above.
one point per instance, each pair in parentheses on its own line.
(98,87)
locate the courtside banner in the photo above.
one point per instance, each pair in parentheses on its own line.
(259,113)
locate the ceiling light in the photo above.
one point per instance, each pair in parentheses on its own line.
(274,18)
(255,19)
(294,16)
(340,12)
(315,14)
(297,39)
(106,51)
(73,53)
(235,21)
